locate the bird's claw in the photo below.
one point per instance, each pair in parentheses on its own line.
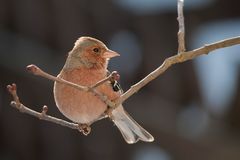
(84,128)
(108,112)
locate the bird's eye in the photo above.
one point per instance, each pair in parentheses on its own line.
(96,50)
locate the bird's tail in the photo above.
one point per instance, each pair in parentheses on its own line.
(130,129)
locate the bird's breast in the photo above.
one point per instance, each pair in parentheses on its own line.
(80,106)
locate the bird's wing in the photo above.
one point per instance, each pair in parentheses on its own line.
(116,86)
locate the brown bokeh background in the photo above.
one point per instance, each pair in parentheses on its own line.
(43,31)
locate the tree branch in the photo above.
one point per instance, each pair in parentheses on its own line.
(38,72)
(181,32)
(12,89)
(179,58)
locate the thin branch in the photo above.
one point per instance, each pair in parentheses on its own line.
(113,76)
(37,71)
(179,58)
(41,115)
(181,32)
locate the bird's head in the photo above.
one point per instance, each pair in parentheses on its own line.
(91,53)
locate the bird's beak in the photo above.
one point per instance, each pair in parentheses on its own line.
(110,54)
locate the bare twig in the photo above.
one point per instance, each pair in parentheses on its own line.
(113,76)
(37,71)
(181,32)
(179,58)
(41,115)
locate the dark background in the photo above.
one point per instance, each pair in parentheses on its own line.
(192,110)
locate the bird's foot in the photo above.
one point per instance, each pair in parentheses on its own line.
(84,128)
(108,112)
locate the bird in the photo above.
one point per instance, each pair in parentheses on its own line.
(86,64)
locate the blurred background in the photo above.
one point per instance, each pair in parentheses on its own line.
(192,110)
